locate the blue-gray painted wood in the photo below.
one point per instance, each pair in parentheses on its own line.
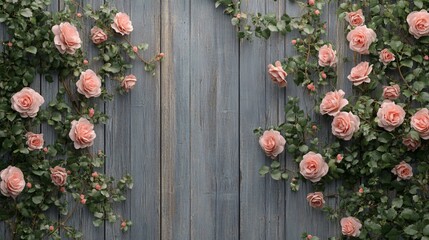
(186,135)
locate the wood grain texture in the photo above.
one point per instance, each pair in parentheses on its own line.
(175,120)
(186,136)
(214,125)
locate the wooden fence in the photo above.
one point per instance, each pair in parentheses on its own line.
(186,137)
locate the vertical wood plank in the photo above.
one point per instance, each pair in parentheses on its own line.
(118,141)
(145,126)
(253,113)
(175,120)
(214,124)
(275,96)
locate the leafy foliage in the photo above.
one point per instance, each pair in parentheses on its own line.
(370,192)
(28,53)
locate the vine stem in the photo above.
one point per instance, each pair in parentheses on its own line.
(405,81)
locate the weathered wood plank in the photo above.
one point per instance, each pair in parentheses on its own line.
(145,126)
(175,120)
(118,141)
(253,113)
(214,125)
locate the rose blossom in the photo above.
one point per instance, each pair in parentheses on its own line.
(350,226)
(386,56)
(419,23)
(129,82)
(277,74)
(313,167)
(66,38)
(403,170)
(122,24)
(355,18)
(27,102)
(12,182)
(58,176)
(344,125)
(361,38)
(311,87)
(316,200)
(359,74)
(327,56)
(390,115)
(411,143)
(98,35)
(89,84)
(420,123)
(272,142)
(34,141)
(333,102)
(391,92)
(82,133)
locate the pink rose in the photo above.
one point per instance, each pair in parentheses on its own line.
(122,24)
(355,18)
(82,133)
(66,38)
(390,115)
(327,56)
(313,167)
(272,142)
(333,102)
(316,200)
(89,84)
(386,56)
(277,74)
(98,35)
(420,123)
(34,141)
(403,170)
(391,92)
(12,182)
(128,82)
(27,102)
(344,125)
(361,38)
(419,23)
(58,176)
(411,143)
(350,226)
(359,74)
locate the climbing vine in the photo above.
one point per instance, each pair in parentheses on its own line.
(380,128)
(62,175)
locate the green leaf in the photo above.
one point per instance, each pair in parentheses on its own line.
(276,174)
(31,49)
(418,3)
(264,170)
(37,199)
(407,63)
(303,148)
(411,230)
(26,12)
(272,28)
(275,164)
(426,230)
(397,203)
(308,29)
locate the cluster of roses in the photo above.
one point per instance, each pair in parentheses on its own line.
(27,103)
(389,116)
